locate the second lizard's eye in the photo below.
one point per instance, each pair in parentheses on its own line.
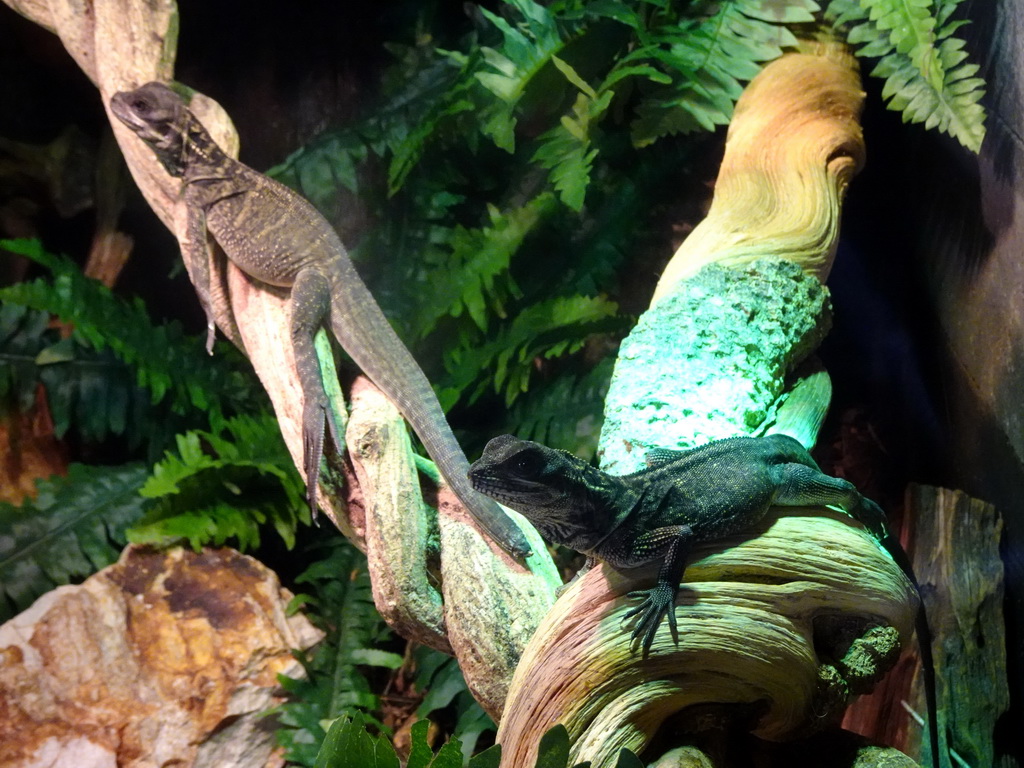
(528,463)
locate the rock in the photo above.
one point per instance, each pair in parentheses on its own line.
(164,658)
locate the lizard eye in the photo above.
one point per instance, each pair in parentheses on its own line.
(528,464)
(140,106)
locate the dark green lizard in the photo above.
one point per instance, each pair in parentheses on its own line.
(277,237)
(683,497)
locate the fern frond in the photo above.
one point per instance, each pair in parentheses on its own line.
(88,392)
(566,150)
(709,58)
(470,275)
(222,486)
(340,602)
(169,364)
(921,61)
(74,527)
(526,49)
(322,168)
(444,687)
(545,330)
(565,413)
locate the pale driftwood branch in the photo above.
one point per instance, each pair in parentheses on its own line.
(794,144)
(482,606)
(397,525)
(491,605)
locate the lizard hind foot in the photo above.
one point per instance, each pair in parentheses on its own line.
(656,603)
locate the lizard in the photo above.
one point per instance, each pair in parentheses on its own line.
(277,237)
(682,497)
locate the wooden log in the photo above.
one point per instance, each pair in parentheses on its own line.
(954,543)
(476,603)
(749,618)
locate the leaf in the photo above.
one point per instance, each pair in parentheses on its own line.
(471,272)
(339,581)
(489,758)
(628,759)
(74,527)
(566,412)
(709,55)
(553,751)
(565,149)
(97,391)
(349,745)
(420,753)
(222,486)
(923,64)
(449,755)
(374,657)
(549,329)
(526,49)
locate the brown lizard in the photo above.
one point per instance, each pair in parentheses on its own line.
(277,237)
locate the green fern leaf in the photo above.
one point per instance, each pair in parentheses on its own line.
(548,329)
(222,486)
(348,743)
(921,61)
(165,361)
(709,58)
(527,48)
(444,688)
(564,413)
(74,527)
(470,276)
(565,150)
(341,602)
(323,168)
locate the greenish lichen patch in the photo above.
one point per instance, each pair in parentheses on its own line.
(710,360)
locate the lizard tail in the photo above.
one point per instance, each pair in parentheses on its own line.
(365,334)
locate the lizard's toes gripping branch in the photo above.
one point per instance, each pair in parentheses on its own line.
(658,602)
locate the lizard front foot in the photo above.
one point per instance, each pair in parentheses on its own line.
(658,602)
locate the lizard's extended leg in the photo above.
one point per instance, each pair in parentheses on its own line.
(310,305)
(198,255)
(659,600)
(798,484)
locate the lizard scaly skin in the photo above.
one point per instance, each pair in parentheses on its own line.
(684,497)
(275,236)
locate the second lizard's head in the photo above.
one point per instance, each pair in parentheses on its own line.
(547,486)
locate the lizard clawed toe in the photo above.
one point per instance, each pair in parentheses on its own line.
(657,602)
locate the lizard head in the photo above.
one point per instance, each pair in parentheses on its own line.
(542,483)
(159,117)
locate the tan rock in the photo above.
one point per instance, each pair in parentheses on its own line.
(163,658)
